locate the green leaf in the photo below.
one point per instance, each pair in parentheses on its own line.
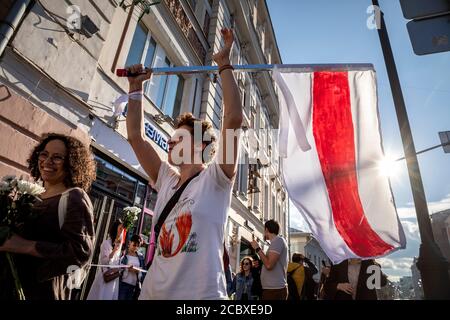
(4,234)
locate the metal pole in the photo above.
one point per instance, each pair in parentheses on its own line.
(289,228)
(11,21)
(432,264)
(266,67)
(427,149)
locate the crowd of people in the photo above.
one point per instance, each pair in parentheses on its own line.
(61,233)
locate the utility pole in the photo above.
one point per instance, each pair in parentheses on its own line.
(431,263)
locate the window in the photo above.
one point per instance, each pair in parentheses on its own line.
(150,200)
(140,194)
(266,202)
(241,182)
(193,4)
(115,180)
(206,23)
(137,45)
(164,91)
(244,88)
(243,178)
(273,213)
(280,217)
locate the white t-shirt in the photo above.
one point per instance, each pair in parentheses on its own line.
(188,260)
(131,277)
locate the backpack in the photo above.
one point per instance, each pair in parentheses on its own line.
(292,286)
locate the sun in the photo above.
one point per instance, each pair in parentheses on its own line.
(388,167)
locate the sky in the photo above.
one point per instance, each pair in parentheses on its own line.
(326,31)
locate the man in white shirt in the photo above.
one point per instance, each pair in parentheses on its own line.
(188,260)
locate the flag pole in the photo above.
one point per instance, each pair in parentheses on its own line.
(265,67)
(258,68)
(431,263)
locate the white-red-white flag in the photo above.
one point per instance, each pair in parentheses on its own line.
(331,148)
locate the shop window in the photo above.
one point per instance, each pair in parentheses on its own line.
(146,232)
(140,194)
(164,91)
(150,201)
(115,180)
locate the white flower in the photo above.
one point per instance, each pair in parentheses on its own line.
(132,212)
(4,187)
(29,188)
(8,178)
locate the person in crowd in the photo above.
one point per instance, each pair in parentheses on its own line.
(296,270)
(242,283)
(131,278)
(309,284)
(196,221)
(256,274)
(110,253)
(228,274)
(348,280)
(55,240)
(324,274)
(275,261)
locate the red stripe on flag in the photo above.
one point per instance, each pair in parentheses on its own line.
(334,139)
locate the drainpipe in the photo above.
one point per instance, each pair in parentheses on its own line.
(12,20)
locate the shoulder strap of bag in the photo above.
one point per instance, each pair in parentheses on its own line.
(62,206)
(169,206)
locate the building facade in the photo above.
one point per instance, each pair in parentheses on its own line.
(440,223)
(388,292)
(298,240)
(315,253)
(406,288)
(416,280)
(58,75)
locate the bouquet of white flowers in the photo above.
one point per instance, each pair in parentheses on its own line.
(130,216)
(17,197)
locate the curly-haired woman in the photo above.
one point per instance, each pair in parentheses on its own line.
(60,235)
(242,283)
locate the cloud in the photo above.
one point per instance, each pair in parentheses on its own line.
(397,264)
(410,212)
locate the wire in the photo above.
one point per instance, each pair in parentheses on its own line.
(70,34)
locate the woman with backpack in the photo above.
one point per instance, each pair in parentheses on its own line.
(301,285)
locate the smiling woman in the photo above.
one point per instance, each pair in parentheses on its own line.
(56,238)
(70,162)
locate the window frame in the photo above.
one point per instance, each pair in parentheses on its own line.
(158,48)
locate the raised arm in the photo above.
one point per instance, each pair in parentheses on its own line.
(232,109)
(146,154)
